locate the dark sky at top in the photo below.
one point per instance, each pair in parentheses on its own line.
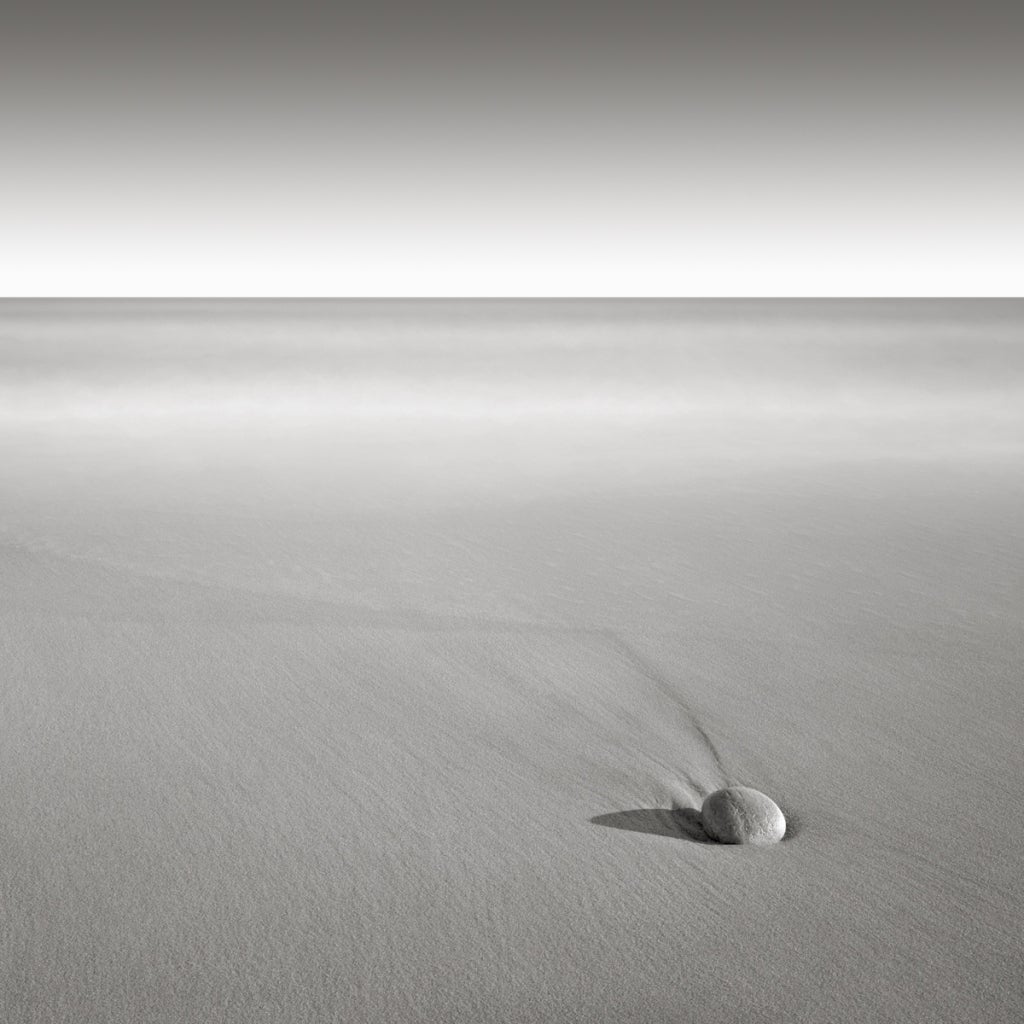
(528,149)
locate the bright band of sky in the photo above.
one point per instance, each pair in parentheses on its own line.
(634,149)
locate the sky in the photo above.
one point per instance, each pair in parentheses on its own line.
(631,149)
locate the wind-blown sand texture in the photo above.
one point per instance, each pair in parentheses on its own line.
(371,663)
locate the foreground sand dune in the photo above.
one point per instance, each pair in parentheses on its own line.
(312,754)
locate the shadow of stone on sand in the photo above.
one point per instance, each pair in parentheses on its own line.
(675,823)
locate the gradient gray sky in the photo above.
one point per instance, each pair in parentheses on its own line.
(584,149)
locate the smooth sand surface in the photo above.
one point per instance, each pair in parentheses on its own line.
(381,717)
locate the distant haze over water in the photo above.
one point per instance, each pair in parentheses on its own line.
(368,404)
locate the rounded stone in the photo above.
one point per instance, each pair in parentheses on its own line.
(739,814)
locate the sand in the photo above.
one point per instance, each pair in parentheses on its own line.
(379,712)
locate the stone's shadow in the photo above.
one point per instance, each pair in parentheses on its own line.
(676,823)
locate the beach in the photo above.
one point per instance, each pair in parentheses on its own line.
(353,657)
